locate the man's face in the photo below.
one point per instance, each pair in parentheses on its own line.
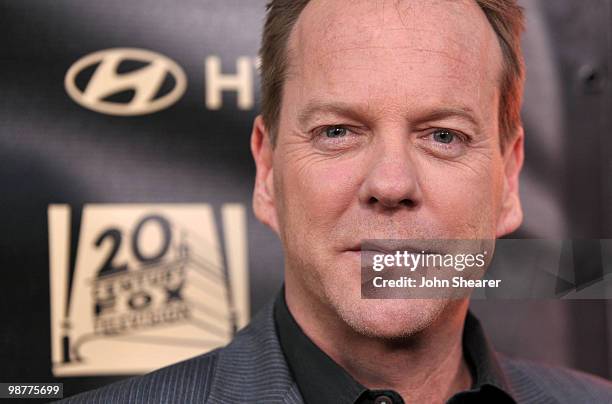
(388,130)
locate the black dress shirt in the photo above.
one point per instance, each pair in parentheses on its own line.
(321,380)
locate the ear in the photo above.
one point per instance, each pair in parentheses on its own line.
(511,211)
(263,193)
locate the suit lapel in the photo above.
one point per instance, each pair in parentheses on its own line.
(252,368)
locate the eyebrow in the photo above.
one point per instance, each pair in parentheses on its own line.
(358,112)
(338,108)
(438,114)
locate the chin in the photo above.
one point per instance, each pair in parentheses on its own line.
(388,318)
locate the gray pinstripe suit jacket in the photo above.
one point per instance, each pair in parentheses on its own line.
(252,369)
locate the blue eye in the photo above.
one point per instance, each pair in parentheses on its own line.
(443,136)
(335,131)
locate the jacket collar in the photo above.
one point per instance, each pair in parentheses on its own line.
(252,368)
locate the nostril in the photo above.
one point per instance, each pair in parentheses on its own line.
(409,203)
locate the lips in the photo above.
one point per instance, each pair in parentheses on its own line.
(391,247)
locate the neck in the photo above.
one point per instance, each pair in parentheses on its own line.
(428,366)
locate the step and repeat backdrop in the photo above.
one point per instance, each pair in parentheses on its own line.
(128,241)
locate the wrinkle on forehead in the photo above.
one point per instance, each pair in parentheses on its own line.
(455,29)
(400,57)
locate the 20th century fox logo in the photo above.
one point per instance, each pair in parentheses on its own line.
(137,278)
(140,299)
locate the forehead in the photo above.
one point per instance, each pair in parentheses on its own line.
(392,52)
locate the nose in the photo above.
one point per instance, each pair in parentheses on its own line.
(392,181)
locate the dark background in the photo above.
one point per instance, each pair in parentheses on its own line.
(55,151)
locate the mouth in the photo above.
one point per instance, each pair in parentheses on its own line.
(366,251)
(389,247)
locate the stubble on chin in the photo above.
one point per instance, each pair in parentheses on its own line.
(391,319)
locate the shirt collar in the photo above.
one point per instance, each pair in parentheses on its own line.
(321,380)
(481,358)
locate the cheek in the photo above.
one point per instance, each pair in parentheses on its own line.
(316,194)
(465,202)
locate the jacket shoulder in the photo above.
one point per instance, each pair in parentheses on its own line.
(534,382)
(251,368)
(183,382)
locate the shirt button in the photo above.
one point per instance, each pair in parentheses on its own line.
(383,400)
